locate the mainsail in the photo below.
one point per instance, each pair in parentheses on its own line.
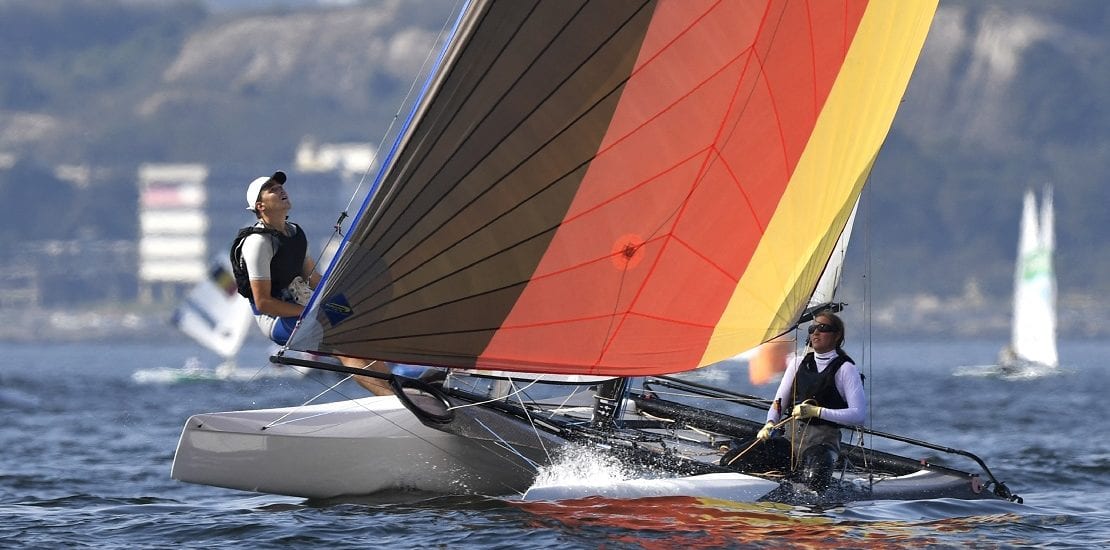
(834,269)
(1034,325)
(767,362)
(618,188)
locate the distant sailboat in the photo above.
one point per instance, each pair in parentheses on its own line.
(217,317)
(1033,339)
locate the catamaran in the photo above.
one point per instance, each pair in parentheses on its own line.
(590,199)
(214,315)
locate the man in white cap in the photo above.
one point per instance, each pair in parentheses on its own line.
(274,252)
(280,272)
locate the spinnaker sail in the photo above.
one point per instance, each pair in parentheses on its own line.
(618,188)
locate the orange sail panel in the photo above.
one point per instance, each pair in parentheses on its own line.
(621,188)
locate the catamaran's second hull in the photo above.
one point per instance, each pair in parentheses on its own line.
(356,447)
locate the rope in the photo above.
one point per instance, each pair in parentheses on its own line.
(397,115)
(337,228)
(758,441)
(500,397)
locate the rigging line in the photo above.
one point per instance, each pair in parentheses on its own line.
(798,434)
(341,394)
(279,419)
(666,420)
(507,446)
(867,350)
(710,398)
(501,398)
(527,414)
(400,108)
(531,422)
(758,441)
(337,228)
(611,330)
(560,407)
(258,372)
(503,444)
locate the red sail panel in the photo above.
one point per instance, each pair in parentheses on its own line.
(710,126)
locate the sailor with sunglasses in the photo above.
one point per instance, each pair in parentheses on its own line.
(822,390)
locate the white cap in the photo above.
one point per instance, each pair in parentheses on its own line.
(255,188)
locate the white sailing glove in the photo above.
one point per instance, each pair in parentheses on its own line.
(299,291)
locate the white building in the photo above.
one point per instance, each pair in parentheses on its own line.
(172,228)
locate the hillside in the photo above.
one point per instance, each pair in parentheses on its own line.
(1007,95)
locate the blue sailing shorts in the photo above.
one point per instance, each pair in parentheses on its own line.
(281,329)
(278,329)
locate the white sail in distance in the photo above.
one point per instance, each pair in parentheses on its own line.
(1034,325)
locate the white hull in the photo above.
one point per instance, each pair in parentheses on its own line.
(721,486)
(374,445)
(345,448)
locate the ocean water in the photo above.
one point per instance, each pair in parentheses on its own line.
(85,454)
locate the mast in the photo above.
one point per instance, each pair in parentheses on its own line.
(609,402)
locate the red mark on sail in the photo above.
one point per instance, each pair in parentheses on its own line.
(627,251)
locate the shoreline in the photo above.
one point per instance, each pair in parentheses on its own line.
(119,322)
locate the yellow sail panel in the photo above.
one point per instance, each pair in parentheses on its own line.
(828,179)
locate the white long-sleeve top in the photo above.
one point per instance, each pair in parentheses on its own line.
(848,383)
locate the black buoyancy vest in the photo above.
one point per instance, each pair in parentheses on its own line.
(288,261)
(819,386)
(286,265)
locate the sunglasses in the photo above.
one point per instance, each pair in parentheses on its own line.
(821,327)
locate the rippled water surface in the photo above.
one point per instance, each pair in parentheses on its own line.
(86,454)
